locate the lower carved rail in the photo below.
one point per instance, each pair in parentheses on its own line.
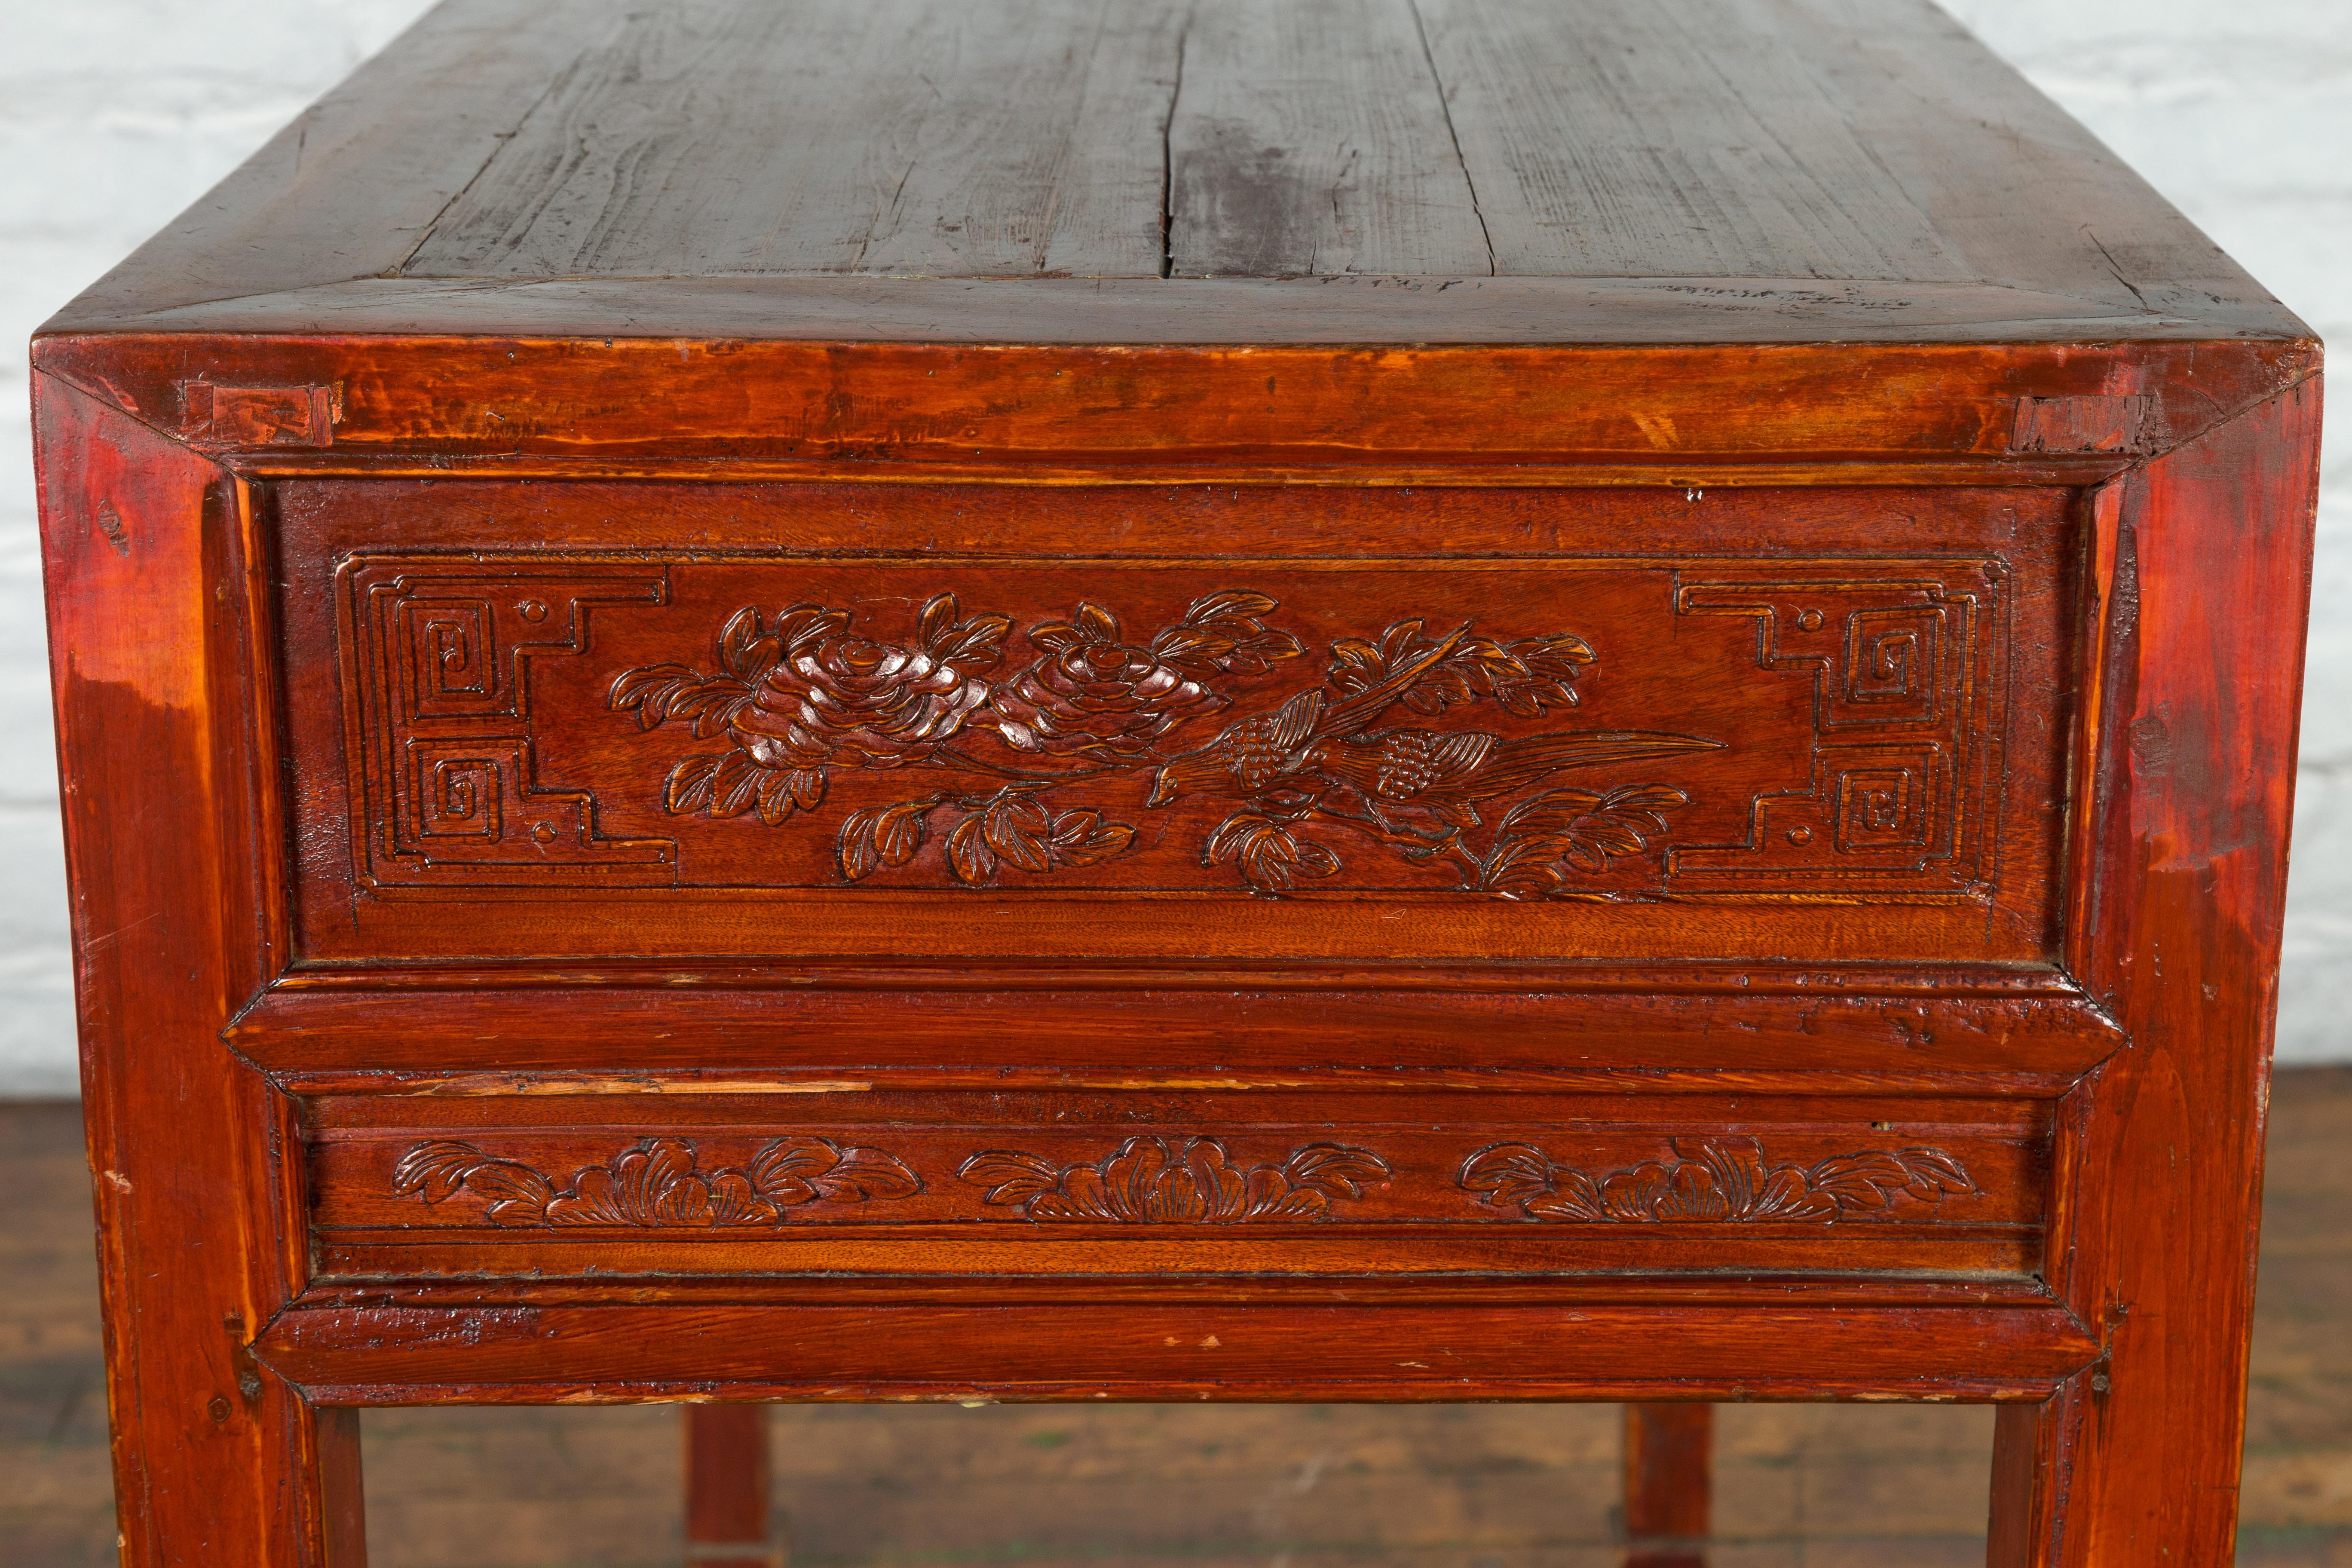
(343,1353)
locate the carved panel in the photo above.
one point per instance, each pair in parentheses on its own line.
(1903,742)
(1523,730)
(875,1179)
(811,696)
(440,657)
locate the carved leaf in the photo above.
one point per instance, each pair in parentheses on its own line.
(746,649)
(1573,1197)
(782,791)
(688,788)
(1011,1176)
(967,646)
(1270,855)
(1506,1174)
(802,625)
(517,1193)
(1787,1196)
(435,1170)
(1019,829)
(1223,631)
(1554,811)
(1228,604)
(1084,838)
(1056,636)
(1267,855)
(969,854)
(734,1200)
(1335,1168)
(899,832)
(1644,1193)
(1522,868)
(1932,1172)
(785,1172)
(595,1198)
(1313,860)
(735,784)
(1226,839)
(1573,827)
(938,619)
(650,689)
(865,1174)
(854,845)
(664,692)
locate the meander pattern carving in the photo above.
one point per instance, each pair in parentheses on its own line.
(1718,1179)
(443,716)
(1901,720)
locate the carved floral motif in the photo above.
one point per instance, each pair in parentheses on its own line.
(1157,1181)
(657,1184)
(1718,1179)
(804,695)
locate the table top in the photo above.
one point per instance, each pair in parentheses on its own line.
(1156,172)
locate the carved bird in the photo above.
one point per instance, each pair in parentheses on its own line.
(1448,772)
(1256,753)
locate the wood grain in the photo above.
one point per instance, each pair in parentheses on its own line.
(1688,414)
(140,721)
(1743,165)
(1669,1464)
(994,140)
(347,1354)
(1779,159)
(1313,139)
(2193,788)
(727,1466)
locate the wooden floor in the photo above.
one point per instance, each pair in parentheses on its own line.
(1274,1487)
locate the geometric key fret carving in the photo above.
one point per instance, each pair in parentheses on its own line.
(1903,725)
(437,681)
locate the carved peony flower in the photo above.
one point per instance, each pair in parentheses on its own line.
(656,1183)
(1094,693)
(838,699)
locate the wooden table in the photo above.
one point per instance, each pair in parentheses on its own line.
(1056,701)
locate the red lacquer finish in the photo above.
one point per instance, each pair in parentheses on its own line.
(1146,779)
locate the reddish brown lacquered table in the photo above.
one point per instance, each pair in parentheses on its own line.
(1056,701)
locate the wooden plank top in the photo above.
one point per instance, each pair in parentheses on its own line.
(1166,172)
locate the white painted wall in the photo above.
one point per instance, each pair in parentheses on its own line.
(116,113)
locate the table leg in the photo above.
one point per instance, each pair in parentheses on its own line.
(727,1513)
(1666,1484)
